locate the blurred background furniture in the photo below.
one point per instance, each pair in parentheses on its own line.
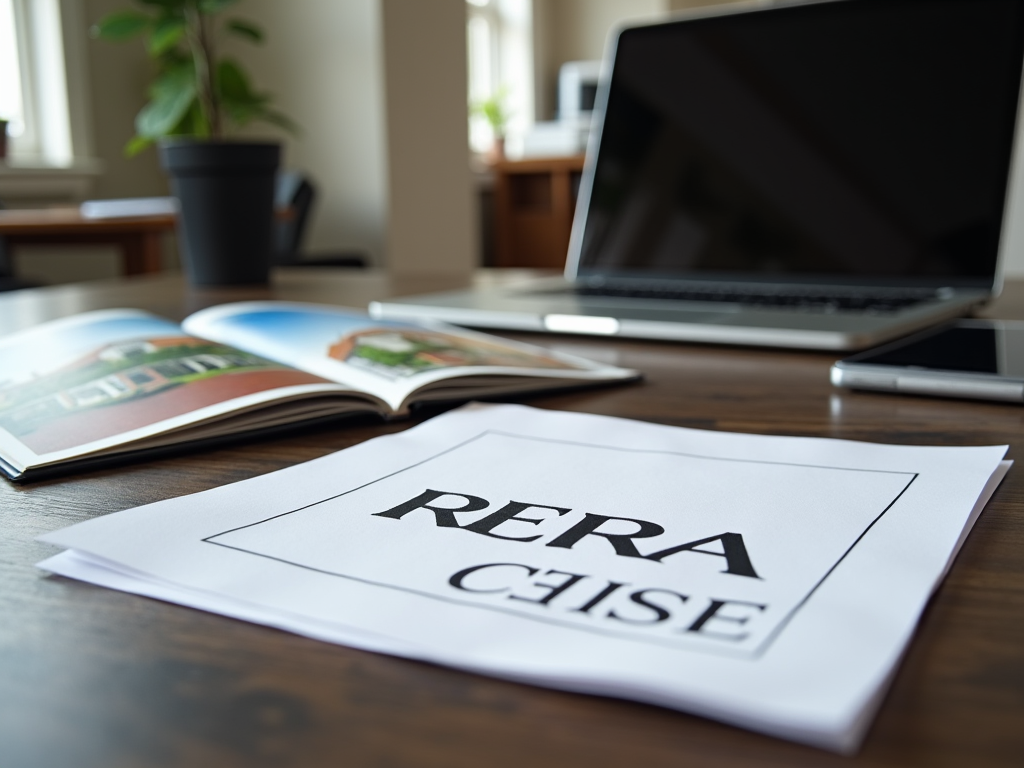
(296,194)
(138,237)
(8,282)
(534,202)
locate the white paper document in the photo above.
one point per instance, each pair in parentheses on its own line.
(769,582)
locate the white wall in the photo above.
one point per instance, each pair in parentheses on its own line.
(431,225)
(385,145)
(323,63)
(379,88)
(118,76)
(576,30)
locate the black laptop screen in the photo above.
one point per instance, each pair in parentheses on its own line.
(851,141)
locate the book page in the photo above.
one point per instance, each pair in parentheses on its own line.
(388,358)
(92,381)
(770,582)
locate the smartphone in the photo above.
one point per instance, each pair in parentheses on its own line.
(978,359)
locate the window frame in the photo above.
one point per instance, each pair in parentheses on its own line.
(511,65)
(54,157)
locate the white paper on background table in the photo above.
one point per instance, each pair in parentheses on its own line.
(770,582)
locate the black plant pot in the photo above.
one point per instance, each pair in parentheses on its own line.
(226,193)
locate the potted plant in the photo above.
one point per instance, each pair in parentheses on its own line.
(225,188)
(494,111)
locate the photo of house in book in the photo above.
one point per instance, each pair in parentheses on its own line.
(400,352)
(132,384)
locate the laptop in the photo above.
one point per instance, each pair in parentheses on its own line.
(823,175)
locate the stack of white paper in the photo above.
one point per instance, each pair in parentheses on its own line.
(769,582)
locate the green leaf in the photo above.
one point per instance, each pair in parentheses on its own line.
(232,81)
(172,95)
(173,58)
(281,121)
(161,117)
(135,145)
(121,25)
(173,79)
(240,102)
(195,122)
(243,111)
(215,6)
(167,33)
(245,29)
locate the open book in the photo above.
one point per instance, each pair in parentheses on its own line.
(106,384)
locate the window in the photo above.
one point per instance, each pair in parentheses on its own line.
(10,73)
(33,84)
(500,59)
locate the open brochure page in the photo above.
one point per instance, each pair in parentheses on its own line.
(390,359)
(771,582)
(89,382)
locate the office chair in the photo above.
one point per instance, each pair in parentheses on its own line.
(296,192)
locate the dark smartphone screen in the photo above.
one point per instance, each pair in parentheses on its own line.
(966,347)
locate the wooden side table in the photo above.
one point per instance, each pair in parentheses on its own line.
(534,202)
(138,237)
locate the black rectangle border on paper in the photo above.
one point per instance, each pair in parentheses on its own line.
(755,653)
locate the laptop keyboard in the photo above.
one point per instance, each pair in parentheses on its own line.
(881,301)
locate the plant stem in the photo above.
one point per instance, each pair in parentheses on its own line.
(201,43)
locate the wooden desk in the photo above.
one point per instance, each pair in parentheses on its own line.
(95,678)
(138,237)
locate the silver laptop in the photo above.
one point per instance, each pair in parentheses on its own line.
(821,175)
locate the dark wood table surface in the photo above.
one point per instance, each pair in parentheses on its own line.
(92,677)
